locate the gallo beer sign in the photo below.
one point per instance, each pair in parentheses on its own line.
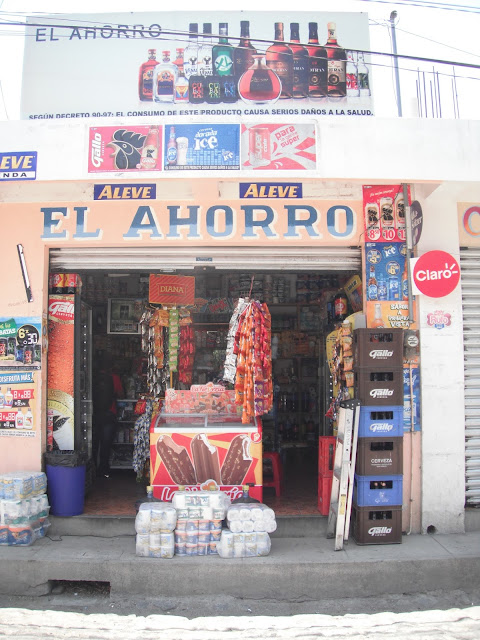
(435,274)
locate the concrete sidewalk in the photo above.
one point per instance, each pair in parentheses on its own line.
(297,567)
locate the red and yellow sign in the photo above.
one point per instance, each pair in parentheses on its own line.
(171,289)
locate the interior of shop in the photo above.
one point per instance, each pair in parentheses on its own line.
(303,312)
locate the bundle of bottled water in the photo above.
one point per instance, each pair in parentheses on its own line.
(249,525)
(154,525)
(24,507)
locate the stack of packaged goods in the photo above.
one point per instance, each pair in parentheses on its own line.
(199,521)
(378,483)
(248,531)
(24,507)
(154,525)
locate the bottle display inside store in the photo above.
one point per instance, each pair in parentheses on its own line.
(164,79)
(149,155)
(301,63)
(336,66)
(244,51)
(145,76)
(352,76)
(205,52)
(363,77)
(223,53)
(260,84)
(190,55)
(279,58)
(317,81)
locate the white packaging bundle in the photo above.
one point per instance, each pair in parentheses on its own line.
(251,517)
(206,505)
(153,517)
(26,511)
(243,545)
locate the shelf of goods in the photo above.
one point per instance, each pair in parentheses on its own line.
(122,446)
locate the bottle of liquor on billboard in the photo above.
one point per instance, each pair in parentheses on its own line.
(172,148)
(164,79)
(337,63)
(353,90)
(244,51)
(181,84)
(279,58)
(196,89)
(149,154)
(145,76)
(317,82)
(363,77)
(190,55)
(301,63)
(205,51)
(259,84)
(223,53)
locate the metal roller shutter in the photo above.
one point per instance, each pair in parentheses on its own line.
(470,267)
(153,259)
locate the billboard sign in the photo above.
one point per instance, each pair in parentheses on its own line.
(182,64)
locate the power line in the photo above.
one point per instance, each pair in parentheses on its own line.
(428,5)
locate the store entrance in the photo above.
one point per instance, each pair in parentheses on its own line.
(302,308)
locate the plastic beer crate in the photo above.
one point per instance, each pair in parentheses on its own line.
(378,348)
(377,490)
(379,387)
(324,493)
(377,525)
(379,456)
(381,422)
(326,454)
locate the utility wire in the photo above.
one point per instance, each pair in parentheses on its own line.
(429,5)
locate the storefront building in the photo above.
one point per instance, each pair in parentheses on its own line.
(69,206)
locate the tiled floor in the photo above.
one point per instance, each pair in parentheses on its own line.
(117,495)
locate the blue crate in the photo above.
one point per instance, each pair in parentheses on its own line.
(381,422)
(366,493)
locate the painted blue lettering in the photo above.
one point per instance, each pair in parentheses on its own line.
(137,227)
(176,221)
(227,222)
(50,223)
(250,222)
(293,222)
(81,232)
(333,221)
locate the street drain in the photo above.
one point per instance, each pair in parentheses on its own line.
(79,588)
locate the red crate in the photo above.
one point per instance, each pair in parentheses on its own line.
(378,348)
(324,493)
(326,454)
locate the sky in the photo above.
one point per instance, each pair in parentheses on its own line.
(420,31)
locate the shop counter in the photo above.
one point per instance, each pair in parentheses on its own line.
(202,451)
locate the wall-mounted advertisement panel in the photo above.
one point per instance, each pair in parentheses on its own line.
(184,64)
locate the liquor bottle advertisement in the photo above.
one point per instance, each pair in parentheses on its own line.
(135,148)
(389,315)
(20,343)
(384,213)
(278,146)
(202,146)
(179,64)
(17,404)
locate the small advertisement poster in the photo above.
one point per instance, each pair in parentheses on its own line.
(386,271)
(20,343)
(200,146)
(164,289)
(384,213)
(390,315)
(17,404)
(278,147)
(135,148)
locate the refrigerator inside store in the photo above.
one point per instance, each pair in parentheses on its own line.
(302,308)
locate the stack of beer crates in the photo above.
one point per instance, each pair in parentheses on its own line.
(326,457)
(378,482)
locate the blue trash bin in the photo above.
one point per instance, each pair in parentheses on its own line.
(66,482)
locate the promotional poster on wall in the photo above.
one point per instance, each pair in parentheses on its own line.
(278,146)
(192,146)
(20,343)
(186,64)
(384,213)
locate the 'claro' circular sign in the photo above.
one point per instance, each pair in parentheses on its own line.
(436,274)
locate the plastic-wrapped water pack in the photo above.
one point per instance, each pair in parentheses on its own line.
(17,485)
(254,517)
(154,524)
(243,545)
(28,511)
(201,505)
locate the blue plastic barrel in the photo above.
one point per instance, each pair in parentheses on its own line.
(65,482)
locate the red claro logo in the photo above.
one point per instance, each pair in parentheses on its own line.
(61,311)
(436,274)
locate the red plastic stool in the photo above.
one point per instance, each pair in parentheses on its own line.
(277,480)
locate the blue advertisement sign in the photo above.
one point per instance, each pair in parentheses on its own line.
(385,271)
(411,399)
(201,146)
(18,165)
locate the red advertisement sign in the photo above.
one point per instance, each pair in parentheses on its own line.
(221,459)
(384,213)
(278,146)
(436,274)
(136,148)
(171,289)
(209,398)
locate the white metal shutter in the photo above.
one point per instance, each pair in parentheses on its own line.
(153,259)
(470,267)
